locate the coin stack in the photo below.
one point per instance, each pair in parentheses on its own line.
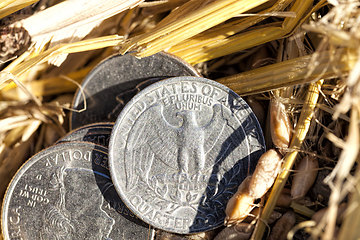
(180,146)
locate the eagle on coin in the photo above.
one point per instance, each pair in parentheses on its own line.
(186,147)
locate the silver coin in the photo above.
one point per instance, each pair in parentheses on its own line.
(98,133)
(111,84)
(179,150)
(65,192)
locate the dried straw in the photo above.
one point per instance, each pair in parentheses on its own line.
(288,73)
(199,31)
(208,50)
(15,71)
(301,130)
(9,6)
(186,22)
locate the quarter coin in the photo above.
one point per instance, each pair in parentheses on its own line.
(98,133)
(110,85)
(179,150)
(65,192)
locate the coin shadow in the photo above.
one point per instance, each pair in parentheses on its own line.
(215,197)
(99,136)
(107,189)
(106,105)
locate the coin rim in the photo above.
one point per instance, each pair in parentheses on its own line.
(90,76)
(87,126)
(122,115)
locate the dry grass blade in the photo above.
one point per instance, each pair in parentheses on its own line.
(13,122)
(250,38)
(340,27)
(303,210)
(350,227)
(301,130)
(288,73)
(5,75)
(188,24)
(17,155)
(160,6)
(9,6)
(71,20)
(49,86)
(226,30)
(340,174)
(85,45)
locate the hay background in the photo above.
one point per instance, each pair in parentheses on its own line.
(302,53)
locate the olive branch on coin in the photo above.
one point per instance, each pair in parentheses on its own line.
(216,197)
(166,198)
(171,199)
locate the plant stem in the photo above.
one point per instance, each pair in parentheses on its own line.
(301,130)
